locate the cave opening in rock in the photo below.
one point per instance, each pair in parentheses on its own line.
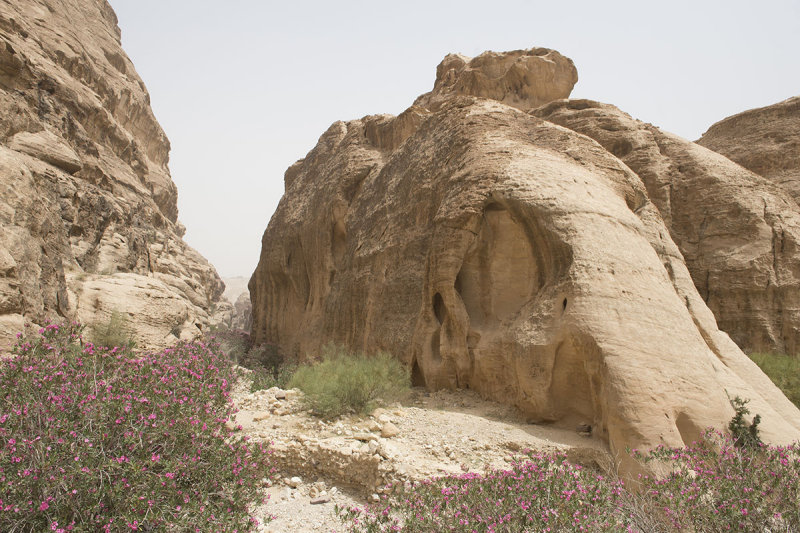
(417,378)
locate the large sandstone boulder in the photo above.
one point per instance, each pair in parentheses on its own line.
(764,140)
(490,249)
(87,207)
(523,78)
(738,233)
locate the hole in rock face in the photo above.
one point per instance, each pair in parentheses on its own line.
(621,148)
(417,378)
(438,308)
(689,430)
(564,305)
(338,241)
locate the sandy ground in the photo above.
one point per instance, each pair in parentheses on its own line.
(351,461)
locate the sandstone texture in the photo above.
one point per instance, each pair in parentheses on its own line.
(738,233)
(493,250)
(523,78)
(87,207)
(764,140)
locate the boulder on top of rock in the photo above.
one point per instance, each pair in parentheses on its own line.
(523,78)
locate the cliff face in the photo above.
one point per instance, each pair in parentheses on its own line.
(87,207)
(494,250)
(765,140)
(738,232)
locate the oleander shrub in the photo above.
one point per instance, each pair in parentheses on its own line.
(783,370)
(343,382)
(108,439)
(718,485)
(538,493)
(712,486)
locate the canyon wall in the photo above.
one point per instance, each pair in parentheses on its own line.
(87,207)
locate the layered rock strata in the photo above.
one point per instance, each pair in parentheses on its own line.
(87,207)
(738,232)
(764,140)
(493,250)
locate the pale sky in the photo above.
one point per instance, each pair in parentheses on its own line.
(243,88)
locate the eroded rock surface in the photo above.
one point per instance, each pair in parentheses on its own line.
(492,250)
(523,78)
(738,233)
(87,207)
(764,140)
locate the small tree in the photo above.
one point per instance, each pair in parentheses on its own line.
(745,435)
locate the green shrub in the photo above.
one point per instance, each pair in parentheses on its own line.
(264,378)
(783,370)
(270,367)
(116,332)
(744,435)
(343,382)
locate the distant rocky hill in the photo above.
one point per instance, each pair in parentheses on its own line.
(236,311)
(87,207)
(234,287)
(765,140)
(544,252)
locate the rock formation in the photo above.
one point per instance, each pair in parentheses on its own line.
(87,207)
(765,140)
(523,78)
(738,233)
(234,311)
(493,250)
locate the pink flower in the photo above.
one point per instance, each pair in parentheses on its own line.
(44,506)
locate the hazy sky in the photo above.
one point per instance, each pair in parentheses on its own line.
(243,88)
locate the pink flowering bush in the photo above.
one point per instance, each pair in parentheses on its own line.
(540,493)
(717,485)
(105,439)
(713,486)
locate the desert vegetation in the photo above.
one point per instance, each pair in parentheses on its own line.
(783,370)
(714,485)
(107,439)
(96,438)
(269,367)
(342,382)
(114,332)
